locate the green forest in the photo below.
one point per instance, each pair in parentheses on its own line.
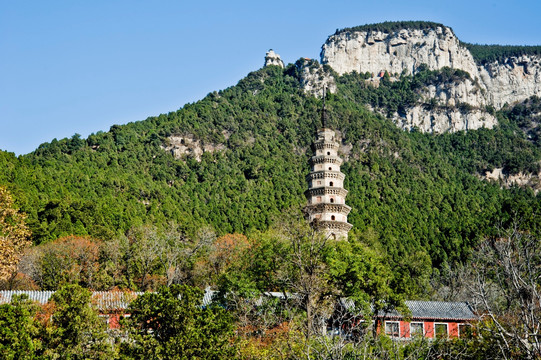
(118,211)
(393,26)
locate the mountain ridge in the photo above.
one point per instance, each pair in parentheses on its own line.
(498,77)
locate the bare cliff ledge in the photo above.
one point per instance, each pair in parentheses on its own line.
(401,48)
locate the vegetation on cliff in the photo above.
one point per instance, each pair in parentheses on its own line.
(484,54)
(393,26)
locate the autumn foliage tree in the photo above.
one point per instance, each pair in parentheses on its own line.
(226,251)
(14,235)
(68,260)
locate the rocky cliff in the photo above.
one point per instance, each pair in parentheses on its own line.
(272,58)
(314,78)
(404,50)
(513,80)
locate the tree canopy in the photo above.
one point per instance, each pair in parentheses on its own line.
(14,234)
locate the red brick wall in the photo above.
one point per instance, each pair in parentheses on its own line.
(429,330)
(453,329)
(114,321)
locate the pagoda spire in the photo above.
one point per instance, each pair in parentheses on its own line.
(323,110)
(326,209)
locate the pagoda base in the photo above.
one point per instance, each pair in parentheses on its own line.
(336,230)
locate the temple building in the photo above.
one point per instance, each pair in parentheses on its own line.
(327,210)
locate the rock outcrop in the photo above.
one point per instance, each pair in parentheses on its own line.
(514,80)
(314,78)
(272,58)
(187,145)
(531,181)
(405,50)
(448,107)
(440,120)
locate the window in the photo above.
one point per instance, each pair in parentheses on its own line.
(333,217)
(104,318)
(417,329)
(318,199)
(328,153)
(332,200)
(331,183)
(319,182)
(464,330)
(392,328)
(330,168)
(440,330)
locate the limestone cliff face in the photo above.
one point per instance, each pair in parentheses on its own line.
(512,81)
(532,181)
(314,78)
(188,145)
(440,119)
(403,51)
(272,58)
(448,107)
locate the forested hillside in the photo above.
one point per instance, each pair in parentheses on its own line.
(415,193)
(210,196)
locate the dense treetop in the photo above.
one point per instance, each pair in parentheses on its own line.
(392,26)
(484,54)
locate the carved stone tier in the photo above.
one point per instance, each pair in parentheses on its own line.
(325,174)
(326,190)
(326,207)
(333,225)
(329,159)
(325,145)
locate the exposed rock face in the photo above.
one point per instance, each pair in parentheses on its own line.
(440,120)
(515,80)
(188,145)
(314,78)
(524,180)
(403,51)
(272,58)
(395,52)
(448,107)
(463,91)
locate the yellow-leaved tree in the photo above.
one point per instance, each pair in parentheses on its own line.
(14,234)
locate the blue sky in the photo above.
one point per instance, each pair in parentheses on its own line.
(76,66)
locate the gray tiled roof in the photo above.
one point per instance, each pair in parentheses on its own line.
(118,300)
(114,300)
(208,297)
(435,310)
(104,300)
(39,296)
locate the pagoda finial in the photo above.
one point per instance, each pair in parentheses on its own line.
(324,111)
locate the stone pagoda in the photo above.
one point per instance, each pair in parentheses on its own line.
(327,210)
